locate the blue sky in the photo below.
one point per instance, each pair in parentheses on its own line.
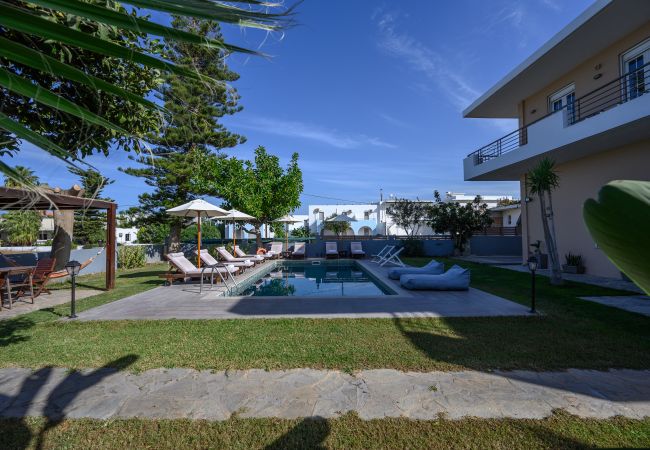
(370,95)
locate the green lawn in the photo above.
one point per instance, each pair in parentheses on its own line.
(558,431)
(571,333)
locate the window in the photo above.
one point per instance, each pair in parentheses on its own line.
(634,63)
(565,97)
(321,216)
(120,234)
(127,237)
(366,215)
(509,219)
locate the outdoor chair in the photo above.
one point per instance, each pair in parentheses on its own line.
(383,253)
(237,262)
(432,268)
(40,278)
(356,250)
(299,250)
(393,258)
(276,250)
(331,250)
(239,253)
(184,270)
(455,279)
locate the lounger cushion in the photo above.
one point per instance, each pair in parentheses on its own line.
(455,279)
(432,268)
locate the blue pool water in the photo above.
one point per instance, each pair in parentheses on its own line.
(327,279)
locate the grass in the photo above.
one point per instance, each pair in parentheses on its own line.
(571,333)
(558,431)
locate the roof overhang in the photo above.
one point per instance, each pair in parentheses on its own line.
(40,199)
(603,23)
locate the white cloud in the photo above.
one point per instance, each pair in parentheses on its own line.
(421,58)
(317,133)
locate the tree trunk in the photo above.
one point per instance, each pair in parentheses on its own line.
(258,236)
(556,278)
(556,268)
(175,236)
(63,230)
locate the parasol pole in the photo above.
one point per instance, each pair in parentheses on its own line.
(234,233)
(286,234)
(199,225)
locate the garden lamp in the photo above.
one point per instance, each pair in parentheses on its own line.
(532,266)
(73,268)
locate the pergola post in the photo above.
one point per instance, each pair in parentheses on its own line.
(111,224)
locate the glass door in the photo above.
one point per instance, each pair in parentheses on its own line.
(636,70)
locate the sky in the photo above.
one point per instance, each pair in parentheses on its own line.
(370,94)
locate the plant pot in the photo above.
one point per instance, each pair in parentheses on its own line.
(573,269)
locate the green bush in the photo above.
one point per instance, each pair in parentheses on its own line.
(413,248)
(131,257)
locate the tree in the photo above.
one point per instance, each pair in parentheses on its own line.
(542,179)
(90,224)
(189,140)
(408,214)
(301,232)
(261,187)
(460,221)
(336,227)
(21,226)
(47,53)
(25,173)
(153,233)
(208,231)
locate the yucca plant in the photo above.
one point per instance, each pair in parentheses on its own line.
(80,27)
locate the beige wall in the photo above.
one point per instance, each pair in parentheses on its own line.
(579,180)
(583,76)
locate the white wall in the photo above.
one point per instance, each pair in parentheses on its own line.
(121,235)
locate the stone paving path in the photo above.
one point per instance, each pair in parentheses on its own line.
(57,297)
(634,303)
(216,395)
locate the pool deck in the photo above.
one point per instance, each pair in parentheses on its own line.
(183,301)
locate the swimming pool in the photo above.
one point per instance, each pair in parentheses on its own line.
(340,278)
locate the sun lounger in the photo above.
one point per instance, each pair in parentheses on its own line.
(331,250)
(227,257)
(455,279)
(186,270)
(239,253)
(299,250)
(356,250)
(383,253)
(276,250)
(393,258)
(432,268)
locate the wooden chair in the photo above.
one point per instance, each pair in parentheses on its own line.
(41,276)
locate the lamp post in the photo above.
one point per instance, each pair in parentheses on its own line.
(73,268)
(532,266)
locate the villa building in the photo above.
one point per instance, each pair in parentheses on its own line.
(580,101)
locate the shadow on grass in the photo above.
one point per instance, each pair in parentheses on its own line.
(150,273)
(57,401)
(10,330)
(309,433)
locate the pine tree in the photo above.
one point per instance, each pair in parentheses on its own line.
(90,224)
(193,135)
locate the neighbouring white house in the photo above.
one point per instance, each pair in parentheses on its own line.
(372,219)
(582,100)
(506,216)
(267,232)
(126,236)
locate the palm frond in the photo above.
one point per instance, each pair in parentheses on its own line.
(21,18)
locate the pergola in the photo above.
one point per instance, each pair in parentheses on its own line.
(12,199)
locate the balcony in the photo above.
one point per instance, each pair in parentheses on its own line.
(619,108)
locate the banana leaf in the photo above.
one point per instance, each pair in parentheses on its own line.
(619,221)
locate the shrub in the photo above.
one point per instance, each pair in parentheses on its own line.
(413,248)
(131,257)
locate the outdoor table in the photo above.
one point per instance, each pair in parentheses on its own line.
(8,272)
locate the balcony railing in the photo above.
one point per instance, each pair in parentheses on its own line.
(621,90)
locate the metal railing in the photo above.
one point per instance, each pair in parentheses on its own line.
(621,90)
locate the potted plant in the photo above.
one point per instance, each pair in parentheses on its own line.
(573,264)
